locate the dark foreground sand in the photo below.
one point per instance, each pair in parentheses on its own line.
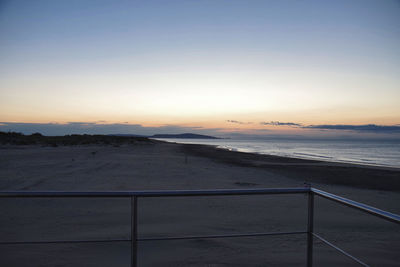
(161,166)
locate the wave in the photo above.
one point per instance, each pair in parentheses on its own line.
(312,155)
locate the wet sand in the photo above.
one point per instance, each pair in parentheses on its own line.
(163,166)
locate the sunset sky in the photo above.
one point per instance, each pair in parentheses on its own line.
(216,67)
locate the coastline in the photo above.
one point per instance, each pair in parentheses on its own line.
(299,151)
(362,176)
(288,159)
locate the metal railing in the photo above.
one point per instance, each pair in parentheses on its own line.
(135,195)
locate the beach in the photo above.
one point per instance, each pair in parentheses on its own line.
(157,165)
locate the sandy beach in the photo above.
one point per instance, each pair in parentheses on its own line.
(166,166)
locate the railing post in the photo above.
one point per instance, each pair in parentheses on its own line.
(134,231)
(310,229)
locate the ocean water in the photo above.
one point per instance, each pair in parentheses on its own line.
(371,152)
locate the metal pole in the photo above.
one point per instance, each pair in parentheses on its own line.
(134,231)
(310,229)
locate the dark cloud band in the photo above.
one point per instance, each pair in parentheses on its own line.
(360,128)
(278,123)
(238,122)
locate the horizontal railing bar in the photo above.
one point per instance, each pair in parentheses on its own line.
(148,239)
(340,250)
(219,236)
(359,206)
(164,193)
(62,242)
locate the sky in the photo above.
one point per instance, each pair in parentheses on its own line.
(309,68)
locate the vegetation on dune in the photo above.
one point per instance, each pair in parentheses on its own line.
(14,138)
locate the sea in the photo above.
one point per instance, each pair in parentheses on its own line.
(385,153)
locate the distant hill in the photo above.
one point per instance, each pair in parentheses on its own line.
(184,135)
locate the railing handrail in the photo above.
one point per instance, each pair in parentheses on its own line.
(206,192)
(152,193)
(359,206)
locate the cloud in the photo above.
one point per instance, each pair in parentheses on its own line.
(278,123)
(359,128)
(238,122)
(101,128)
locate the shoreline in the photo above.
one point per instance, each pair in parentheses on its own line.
(311,171)
(328,161)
